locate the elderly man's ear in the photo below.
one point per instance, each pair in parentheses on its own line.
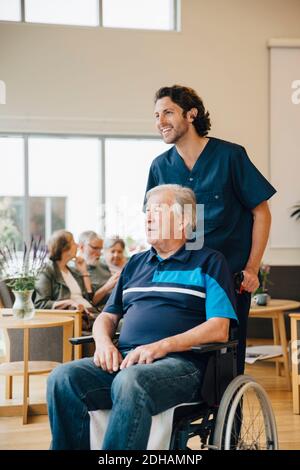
(185,227)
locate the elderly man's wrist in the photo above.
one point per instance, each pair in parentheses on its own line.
(105,289)
(103,341)
(167,345)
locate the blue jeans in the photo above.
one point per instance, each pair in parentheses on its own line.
(134,394)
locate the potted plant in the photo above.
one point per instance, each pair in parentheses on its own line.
(20,271)
(261,296)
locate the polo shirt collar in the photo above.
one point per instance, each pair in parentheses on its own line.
(182,255)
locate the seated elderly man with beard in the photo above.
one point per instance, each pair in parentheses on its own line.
(171,298)
(90,248)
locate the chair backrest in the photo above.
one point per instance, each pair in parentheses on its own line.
(45,343)
(6,295)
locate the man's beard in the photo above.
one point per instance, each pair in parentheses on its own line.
(177,135)
(93,261)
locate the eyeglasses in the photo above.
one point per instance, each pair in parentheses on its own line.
(96,248)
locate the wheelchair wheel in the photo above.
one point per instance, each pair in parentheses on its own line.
(245,419)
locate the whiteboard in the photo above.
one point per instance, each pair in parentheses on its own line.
(285,144)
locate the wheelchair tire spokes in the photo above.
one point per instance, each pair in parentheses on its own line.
(245,419)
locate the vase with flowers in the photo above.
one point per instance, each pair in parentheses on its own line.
(20,270)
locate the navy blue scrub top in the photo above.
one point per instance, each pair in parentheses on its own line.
(228,184)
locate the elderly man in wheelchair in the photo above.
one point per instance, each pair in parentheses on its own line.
(174,356)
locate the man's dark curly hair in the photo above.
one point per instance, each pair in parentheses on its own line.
(187,99)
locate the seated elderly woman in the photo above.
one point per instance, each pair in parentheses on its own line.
(61,287)
(114,254)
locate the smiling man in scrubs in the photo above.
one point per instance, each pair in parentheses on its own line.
(237,218)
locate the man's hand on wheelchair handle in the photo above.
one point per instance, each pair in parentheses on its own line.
(250,282)
(108,357)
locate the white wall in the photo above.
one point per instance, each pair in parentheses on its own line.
(285,144)
(72,79)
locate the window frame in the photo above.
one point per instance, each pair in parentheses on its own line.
(175,29)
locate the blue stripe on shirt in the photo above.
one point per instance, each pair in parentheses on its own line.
(217,302)
(188,278)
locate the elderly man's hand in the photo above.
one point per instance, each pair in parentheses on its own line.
(112,281)
(145,354)
(108,357)
(80,265)
(68,304)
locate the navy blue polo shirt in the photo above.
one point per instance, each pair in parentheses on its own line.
(160,298)
(228,184)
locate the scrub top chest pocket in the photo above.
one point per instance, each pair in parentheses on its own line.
(216,207)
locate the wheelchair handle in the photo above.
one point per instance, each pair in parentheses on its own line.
(238,279)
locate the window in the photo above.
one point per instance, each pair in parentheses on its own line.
(143,14)
(10,10)
(139,14)
(47,214)
(11,188)
(127,166)
(64,184)
(72,12)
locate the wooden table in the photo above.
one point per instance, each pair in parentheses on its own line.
(75,314)
(38,321)
(275,311)
(295,337)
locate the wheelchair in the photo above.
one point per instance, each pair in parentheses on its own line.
(234,412)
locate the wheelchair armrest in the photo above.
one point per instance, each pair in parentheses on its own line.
(202,348)
(86,339)
(81,340)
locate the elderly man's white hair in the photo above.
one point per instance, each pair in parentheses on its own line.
(87,236)
(184,199)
